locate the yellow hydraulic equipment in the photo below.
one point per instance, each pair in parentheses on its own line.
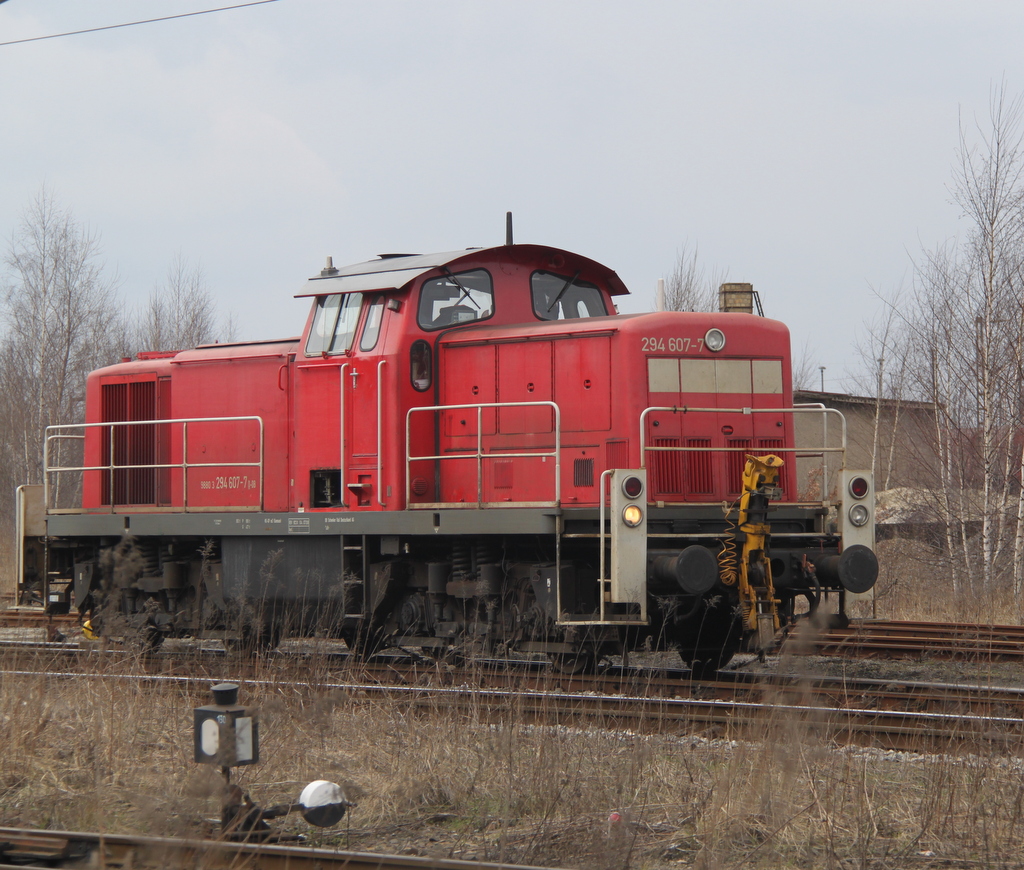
(752,570)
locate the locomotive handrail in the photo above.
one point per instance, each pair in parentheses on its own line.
(58,433)
(480,455)
(380,433)
(342,477)
(798,452)
(606,475)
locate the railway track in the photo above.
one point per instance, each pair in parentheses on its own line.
(201,666)
(892,639)
(50,626)
(916,716)
(886,713)
(34,849)
(915,640)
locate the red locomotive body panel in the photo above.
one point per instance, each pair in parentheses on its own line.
(225,445)
(700,437)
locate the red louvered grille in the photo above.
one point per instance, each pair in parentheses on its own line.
(617,453)
(583,472)
(699,467)
(667,467)
(736,463)
(132,445)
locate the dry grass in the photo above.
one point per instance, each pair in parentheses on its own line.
(85,753)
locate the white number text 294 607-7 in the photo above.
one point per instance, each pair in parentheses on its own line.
(653,344)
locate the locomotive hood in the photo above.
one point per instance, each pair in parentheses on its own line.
(394,271)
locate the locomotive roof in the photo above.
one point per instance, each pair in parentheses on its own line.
(394,271)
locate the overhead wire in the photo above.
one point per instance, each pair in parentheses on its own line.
(133,23)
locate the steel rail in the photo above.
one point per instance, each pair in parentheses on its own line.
(35,848)
(901,639)
(833,692)
(885,728)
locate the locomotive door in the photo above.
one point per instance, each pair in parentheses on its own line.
(369,412)
(315,468)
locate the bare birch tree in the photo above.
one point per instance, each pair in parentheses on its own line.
(884,361)
(989,188)
(690,287)
(805,368)
(181,313)
(966,340)
(62,317)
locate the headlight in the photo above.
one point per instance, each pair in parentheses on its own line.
(859,515)
(632,516)
(714,340)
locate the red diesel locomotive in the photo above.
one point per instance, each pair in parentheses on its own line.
(463,451)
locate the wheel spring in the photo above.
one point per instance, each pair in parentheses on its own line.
(461,564)
(150,559)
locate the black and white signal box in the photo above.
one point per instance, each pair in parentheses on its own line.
(225,733)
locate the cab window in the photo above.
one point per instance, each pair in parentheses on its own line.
(565,297)
(371,328)
(334,324)
(455,299)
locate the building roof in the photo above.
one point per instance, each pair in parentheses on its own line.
(832,399)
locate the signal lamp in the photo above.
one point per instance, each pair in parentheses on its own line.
(632,516)
(859,515)
(714,340)
(633,487)
(225,733)
(858,487)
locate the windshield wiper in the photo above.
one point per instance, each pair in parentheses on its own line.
(458,283)
(565,287)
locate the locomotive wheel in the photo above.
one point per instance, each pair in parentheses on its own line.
(143,640)
(252,641)
(709,640)
(579,662)
(361,643)
(704,664)
(451,655)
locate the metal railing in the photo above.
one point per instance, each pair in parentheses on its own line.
(822,451)
(480,456)
(57,434)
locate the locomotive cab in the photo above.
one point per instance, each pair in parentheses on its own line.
(376,330)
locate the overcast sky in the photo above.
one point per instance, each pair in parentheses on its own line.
(804,147)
